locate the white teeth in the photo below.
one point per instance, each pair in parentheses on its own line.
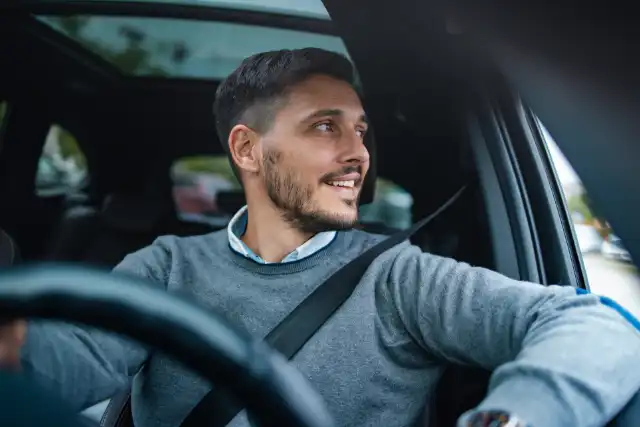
(350,184)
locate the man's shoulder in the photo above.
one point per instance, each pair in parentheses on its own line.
(353,242)
(173,243)
(169,251)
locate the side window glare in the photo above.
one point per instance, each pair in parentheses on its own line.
(62,167)
(391,207)
(609,267)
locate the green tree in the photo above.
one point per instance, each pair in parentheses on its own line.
(136,58)
(69,148)
(218,165)
(577,203)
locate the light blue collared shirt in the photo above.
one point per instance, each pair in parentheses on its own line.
(238,225)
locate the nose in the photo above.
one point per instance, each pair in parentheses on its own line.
(355,151)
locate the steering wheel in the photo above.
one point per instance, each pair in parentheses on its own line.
(260,378)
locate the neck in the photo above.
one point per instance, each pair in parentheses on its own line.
(268,235)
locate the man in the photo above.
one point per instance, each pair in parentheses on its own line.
(293,126)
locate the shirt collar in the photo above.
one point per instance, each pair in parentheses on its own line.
(238,225)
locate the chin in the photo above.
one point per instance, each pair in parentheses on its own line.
(342,219)
(327,220)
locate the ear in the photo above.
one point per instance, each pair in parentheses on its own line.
(243,148)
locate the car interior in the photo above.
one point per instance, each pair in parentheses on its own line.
(430,140)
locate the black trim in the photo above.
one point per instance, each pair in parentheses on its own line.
(529,252)
(175,11)
(511,188)
(503,247)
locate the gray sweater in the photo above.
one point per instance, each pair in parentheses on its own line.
(560,359)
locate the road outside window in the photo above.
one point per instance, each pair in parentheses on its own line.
(610,270)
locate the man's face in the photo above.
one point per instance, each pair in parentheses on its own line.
(313,157)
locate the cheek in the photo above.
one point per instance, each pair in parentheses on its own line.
(312,164)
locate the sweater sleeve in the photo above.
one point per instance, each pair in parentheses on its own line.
(560,357)
(87,365)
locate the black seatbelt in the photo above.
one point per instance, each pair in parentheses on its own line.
(218,408)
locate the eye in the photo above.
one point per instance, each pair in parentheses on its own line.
(324,127)
(361,132)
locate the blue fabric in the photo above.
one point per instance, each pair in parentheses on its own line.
(238,226)
(617,307)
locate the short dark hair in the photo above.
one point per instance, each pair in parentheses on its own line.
(253,92)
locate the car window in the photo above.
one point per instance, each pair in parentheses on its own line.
(304,8)
(161,47)
(198,181)
(206,190)
(609,267)
(62,167)
(391,206)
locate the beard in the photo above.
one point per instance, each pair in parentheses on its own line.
(287,191)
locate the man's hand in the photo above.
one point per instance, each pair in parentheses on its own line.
(12,336)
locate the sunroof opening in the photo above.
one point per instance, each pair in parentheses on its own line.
(179,47)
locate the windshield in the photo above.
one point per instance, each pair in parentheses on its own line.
(179,47)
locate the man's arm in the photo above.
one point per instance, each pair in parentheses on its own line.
(560,358)
(87,365)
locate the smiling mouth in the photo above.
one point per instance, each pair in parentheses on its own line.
(347,190)
(342,184)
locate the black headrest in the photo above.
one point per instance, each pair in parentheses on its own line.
(9,253)
(230,201)
(133,213)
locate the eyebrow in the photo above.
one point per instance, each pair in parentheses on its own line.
(333,112)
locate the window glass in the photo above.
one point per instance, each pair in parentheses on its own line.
(62,167)
(200,183)
(305,8)
(610,269)
(391,206)
(180,47)
(206,190)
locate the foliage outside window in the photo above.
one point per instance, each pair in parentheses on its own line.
(609,267)
(62,168)
(161,47)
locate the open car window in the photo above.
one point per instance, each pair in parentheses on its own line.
(609,267)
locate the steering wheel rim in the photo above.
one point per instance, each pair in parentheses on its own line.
(272,390)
